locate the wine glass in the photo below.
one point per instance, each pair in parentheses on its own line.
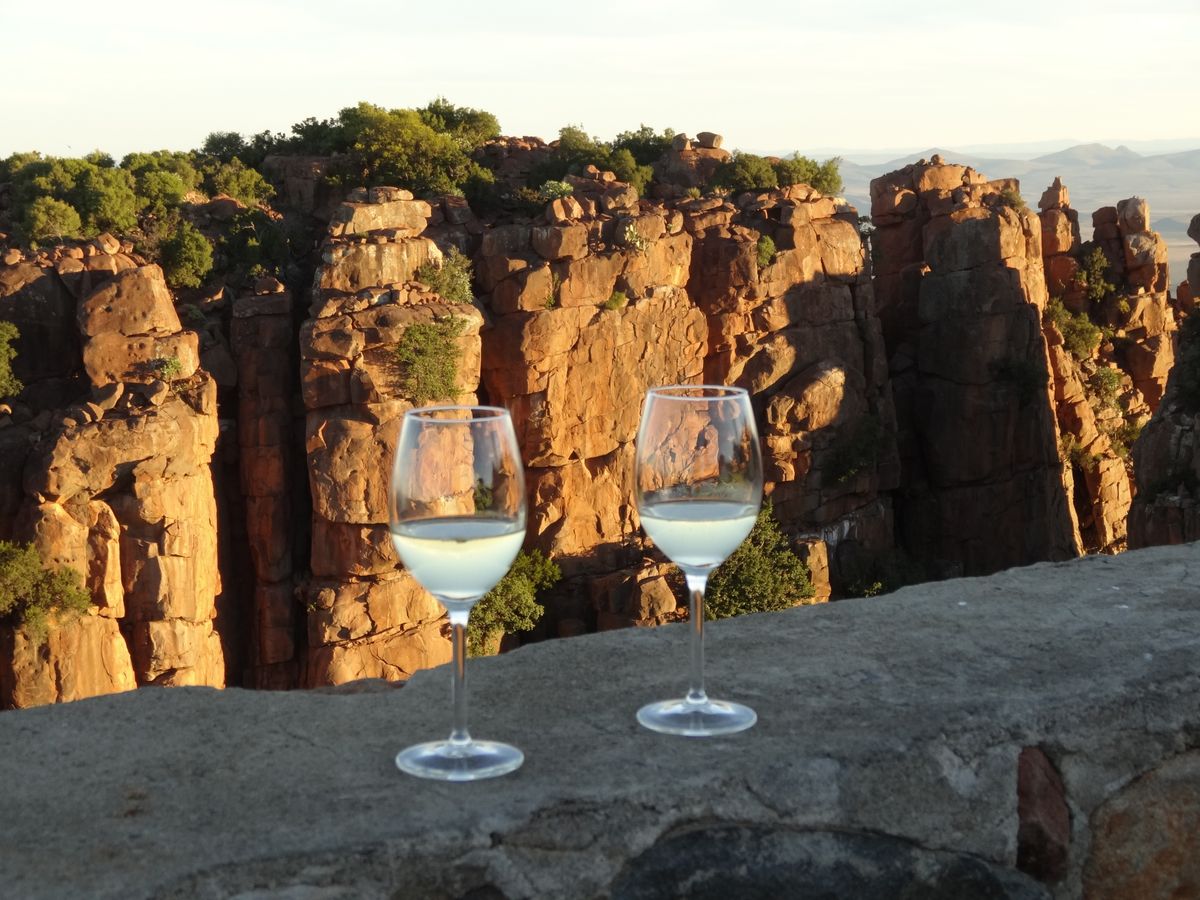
(698,478)
(457,512)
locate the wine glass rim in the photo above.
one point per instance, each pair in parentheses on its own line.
(712,391)
(430,413)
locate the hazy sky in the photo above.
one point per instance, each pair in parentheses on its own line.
(770,76)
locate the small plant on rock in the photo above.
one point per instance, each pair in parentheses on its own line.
(428,357)
(452,279)
(766,251)
(1093,272)
(855,449)
(168,368)
(1081,336)
(512,604)
(633,238)
(10,385)
(30,594)
(554,295)
(617,300)
(1012,198)
(762,575)
(555,190)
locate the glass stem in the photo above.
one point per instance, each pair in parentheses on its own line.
(696,585)
(458,685)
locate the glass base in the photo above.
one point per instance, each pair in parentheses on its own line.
(696,719)
(468,761)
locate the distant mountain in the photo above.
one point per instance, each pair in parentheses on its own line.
(1089,155)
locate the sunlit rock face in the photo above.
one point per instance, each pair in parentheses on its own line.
(960,288)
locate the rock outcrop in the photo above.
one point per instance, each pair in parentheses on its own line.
(1093,396)
(782,279)
(960,290)
(115,485)
(1166,455)
(366,617)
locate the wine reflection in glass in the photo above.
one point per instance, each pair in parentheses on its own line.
(698,482)
(457,511)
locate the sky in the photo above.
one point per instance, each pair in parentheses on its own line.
(769,76)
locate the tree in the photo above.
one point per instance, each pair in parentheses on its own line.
(472,126)
(512,604)
(797,169)
(187,256)
(47,219)
(646,144)
(10,385)
(30,593)
(223,145)
(160,192)
(244,184)
(745,172)
(762,575)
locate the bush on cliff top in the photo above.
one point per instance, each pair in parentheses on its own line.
(101,195)
(762,575)
(47,219)
(30,594)
(512,604)
(452,279)
(244,184)
(10,385)
(797,169)
(745,172)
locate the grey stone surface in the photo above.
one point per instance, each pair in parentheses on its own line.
(885,755)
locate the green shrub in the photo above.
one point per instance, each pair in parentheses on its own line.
(1093,272)
(1080,336)
(693,193)
(30,594)
(554,190)
(766,251)
(451,280)
(645,144)
(10,384)
(626,168)
(168,368)
(241,183)
(855,449)
(1012,198)
(826,177)
(512,604)
(633,238)
(254,244)
(161,179)
(762,575)
(1071,451)
(1123,436)
(554,295)
(223,145)
(472,126)
(745,172)
(1106,384)
(882,573)
(187,256)
(102,196)
(1026,377)
(47,219)
(617,300)
(428,358)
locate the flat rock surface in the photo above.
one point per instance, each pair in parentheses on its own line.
(888,735)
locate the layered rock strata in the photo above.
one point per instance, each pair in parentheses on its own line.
(783,281)
(263,339)
(960,290)
(117,484)
(366,617)
(589,311)
(1166,455)
(1097,477)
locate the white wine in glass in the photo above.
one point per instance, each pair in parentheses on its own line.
(698,480)
(458,521)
